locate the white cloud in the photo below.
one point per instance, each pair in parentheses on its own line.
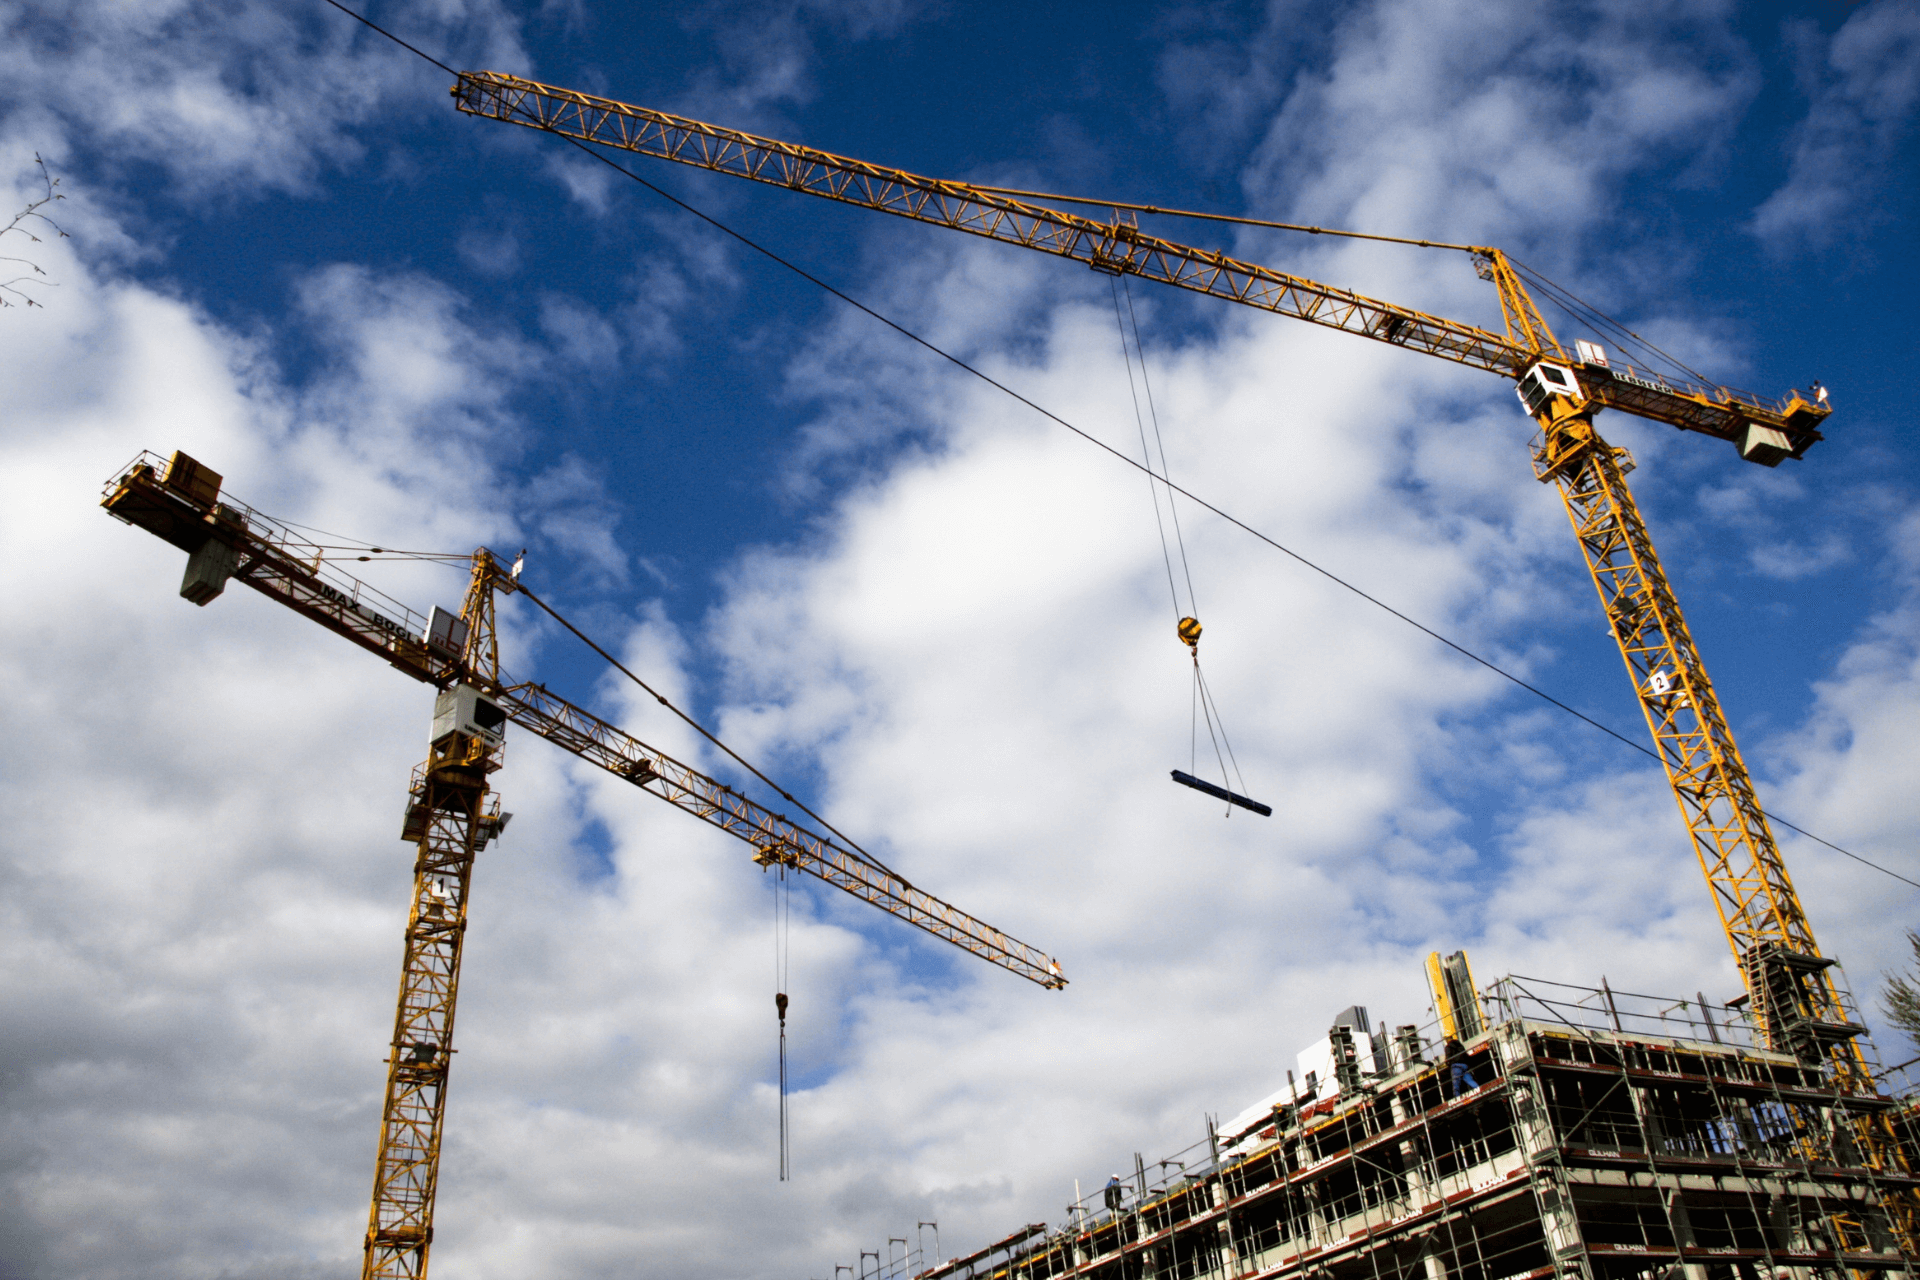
(765,52)
(202,876)
(489,253)
(980,638)
(1863,86)
(589,182)
(1511,125)
(229,97)
(1791,560)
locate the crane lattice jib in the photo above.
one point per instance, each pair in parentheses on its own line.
(278,562)
(1117,247)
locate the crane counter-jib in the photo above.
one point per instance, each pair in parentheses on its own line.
(178,501)
(1120,247)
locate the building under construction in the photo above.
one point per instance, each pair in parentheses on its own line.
(1588,1133)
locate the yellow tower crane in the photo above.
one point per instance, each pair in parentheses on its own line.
(1794,990)
(451,814)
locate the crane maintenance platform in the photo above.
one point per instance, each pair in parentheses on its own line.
(1590,1134)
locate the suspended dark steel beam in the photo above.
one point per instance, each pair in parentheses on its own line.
(1221,793)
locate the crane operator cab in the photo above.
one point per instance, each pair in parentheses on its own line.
(1544,381)
(464,709)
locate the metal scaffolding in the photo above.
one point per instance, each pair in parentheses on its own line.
(1603,1136)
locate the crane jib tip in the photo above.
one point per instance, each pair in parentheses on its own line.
(1221,793)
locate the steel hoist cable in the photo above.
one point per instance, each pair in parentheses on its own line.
(782,940)
(1187,624)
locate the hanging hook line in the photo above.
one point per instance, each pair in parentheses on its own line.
(1173,508)
(1206,709)
(1206,697)
(1203,703)
(782,950)
(1153,487)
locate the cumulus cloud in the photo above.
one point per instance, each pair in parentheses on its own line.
(1792,560)
(229,98)
(765,51)
(580,334)
(979,648)
(1849,773)
(1532,115)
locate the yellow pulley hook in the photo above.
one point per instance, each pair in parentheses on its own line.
(1190,633)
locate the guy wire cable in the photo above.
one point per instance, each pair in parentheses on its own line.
(1600,321)
(1098,443)
(1173,509)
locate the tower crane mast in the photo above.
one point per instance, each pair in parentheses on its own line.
(451,813)
(1794,991)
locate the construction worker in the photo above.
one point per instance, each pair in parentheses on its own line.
(1115,1194)
(1819,393)
(1461,1079)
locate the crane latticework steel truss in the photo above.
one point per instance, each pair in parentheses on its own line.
(454,818)
(1797,997)
(1751,889)
(276,561)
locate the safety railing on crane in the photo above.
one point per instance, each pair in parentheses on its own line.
(298,547)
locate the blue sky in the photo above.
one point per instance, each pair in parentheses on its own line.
(938,614)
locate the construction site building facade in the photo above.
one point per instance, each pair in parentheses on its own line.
(1556,1150)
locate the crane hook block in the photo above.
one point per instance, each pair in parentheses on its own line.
(1221,793)
(1190,633)
(780,1006)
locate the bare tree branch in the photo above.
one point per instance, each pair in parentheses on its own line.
(23,224)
